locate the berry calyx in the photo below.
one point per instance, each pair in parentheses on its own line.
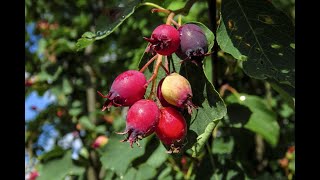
(193,44)
(177,91)
(141,121)
(164,40)
(126,89)
(171,129)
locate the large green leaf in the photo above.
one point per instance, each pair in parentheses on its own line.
(262,120)
(263,37)
(211,107)
(114,15)
(59,168)
(117,156)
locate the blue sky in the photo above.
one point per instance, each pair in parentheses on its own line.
(35,100)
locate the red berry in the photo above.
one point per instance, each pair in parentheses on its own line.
(126,89)
(177,91)
(142,119)
(171,129)
(193,43)
(33,175)
(164,40)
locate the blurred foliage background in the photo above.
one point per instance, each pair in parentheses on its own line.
(59,138)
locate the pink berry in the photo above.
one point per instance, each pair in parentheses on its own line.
(171,129)
(141,121)
(126,89)
(164,40)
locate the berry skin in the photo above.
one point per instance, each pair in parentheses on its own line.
(171,129)
(193,44)
(163,102)
(126,89)
(177,91)
(164,40)
(142,118)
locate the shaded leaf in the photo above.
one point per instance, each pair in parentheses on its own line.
(222,145)
(257,32)
(59,168)
(146,171)
(114,14)
(262,120)
(158,157)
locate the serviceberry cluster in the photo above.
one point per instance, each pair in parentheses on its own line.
(160,113)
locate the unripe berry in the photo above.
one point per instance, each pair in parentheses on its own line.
(177,91)
(100,141)
(163,102)
(193,43)
(126,89)
(171,129)
(142,118)
(164,40)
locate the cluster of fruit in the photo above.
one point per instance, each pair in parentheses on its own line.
(174,93)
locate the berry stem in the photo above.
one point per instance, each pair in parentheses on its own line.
(229,88)
(175,23)
(156,69)
(148,63)
(156,6)
(166,63)
(165,69)
(170,18)
(160,10)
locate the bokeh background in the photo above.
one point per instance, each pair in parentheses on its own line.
(63,115)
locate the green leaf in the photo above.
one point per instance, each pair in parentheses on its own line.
(146,172)
(117,156)
(222,145)
(158,157)
(262,36)
(66,86)
(59,168)
(116,13)
(86,123)
(211,107)
(57,151)
(262,120)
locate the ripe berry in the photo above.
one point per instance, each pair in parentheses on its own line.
(177,91)
(142,119)
(193,43)
(126,89)
(171,129)
(164,40)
